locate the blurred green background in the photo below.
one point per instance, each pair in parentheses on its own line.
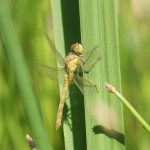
(30,20)
(134,36)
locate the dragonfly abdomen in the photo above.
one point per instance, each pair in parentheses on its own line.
(62,101)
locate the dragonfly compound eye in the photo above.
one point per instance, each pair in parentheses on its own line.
(77,48)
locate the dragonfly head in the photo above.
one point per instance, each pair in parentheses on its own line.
(77,48)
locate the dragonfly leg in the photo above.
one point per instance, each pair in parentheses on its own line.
(91,84)
(80,69)
(90,52)
(91,64)
(95,86)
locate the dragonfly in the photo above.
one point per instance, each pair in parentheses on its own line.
(72,65)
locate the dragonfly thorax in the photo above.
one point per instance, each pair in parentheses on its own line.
(72,62)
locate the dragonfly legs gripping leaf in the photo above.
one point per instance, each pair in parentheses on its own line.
(91,65)
(86,61)
(92,85)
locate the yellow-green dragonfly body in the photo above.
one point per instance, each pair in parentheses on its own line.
(72,63)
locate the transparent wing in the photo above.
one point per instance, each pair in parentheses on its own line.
(52,73)
(89,53)
(81,82)
(88,61)
(59,57)
(78,83)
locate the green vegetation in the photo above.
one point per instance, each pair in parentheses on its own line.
(29,101)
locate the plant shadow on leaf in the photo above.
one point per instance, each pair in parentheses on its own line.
(111,133)
(67,111)
(67,116)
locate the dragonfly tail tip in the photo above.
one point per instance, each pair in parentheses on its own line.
(57,126)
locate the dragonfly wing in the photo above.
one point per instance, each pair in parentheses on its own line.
(52,73)
(89,53)
(81,82)
(60,59)
(78,81)
(88,61)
